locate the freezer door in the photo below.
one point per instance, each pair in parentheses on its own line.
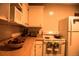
(73,23)
(73,44)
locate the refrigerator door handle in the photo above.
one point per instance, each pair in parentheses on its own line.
(71,23)
(70,38)
(70,41)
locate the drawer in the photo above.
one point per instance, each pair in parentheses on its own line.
(39,42)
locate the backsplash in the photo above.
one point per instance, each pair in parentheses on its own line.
(33,31)
(7,31)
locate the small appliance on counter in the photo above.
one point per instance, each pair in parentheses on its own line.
(33,31)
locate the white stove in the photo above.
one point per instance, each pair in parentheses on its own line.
(53,46)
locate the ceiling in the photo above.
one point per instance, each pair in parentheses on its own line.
(38,4)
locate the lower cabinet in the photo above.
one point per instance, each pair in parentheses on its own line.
(38,48)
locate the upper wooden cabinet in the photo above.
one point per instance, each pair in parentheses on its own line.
(4,11)
(25,13)
(14,12)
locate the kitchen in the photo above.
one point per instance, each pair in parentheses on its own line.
(31,26)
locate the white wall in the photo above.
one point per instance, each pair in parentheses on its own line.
(36,15)
(61,11)
(50,23)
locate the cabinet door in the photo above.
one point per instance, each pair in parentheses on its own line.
(38,48)
(17,17)
(24,14)
(4,11)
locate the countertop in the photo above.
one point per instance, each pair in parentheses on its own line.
(25,50)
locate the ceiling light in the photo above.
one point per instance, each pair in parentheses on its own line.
(51,13)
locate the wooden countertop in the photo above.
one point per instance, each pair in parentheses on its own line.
(36,38)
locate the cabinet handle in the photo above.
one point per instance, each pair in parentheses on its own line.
(40,47)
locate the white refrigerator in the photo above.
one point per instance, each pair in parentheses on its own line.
(69,28)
